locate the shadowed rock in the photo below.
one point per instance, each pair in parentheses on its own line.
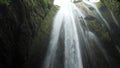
(89,17)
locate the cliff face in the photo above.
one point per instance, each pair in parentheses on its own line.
(113,5)
(24,32)
(20,32)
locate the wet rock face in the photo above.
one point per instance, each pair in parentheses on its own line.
(89,17)
(19,24)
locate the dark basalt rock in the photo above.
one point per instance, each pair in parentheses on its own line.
(103,8)
(89,17)
(20,21)
(91,8)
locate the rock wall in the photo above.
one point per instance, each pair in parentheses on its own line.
(113,5)
(22,37)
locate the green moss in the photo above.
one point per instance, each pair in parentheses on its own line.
(46,25)
(45,1)
(112,4)
(101,32)
(7,2)
(33,2)
(99,4)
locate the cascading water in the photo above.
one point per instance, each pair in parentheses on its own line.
(94,6)
(78,43)
(66,18)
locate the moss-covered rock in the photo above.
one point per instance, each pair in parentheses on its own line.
(7,2)
(22,32)
(113,5)
(99,29)
(41,39)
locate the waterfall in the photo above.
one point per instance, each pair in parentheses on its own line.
(71,36)
(99,13)
(66,18)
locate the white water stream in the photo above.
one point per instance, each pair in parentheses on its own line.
(69,22)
